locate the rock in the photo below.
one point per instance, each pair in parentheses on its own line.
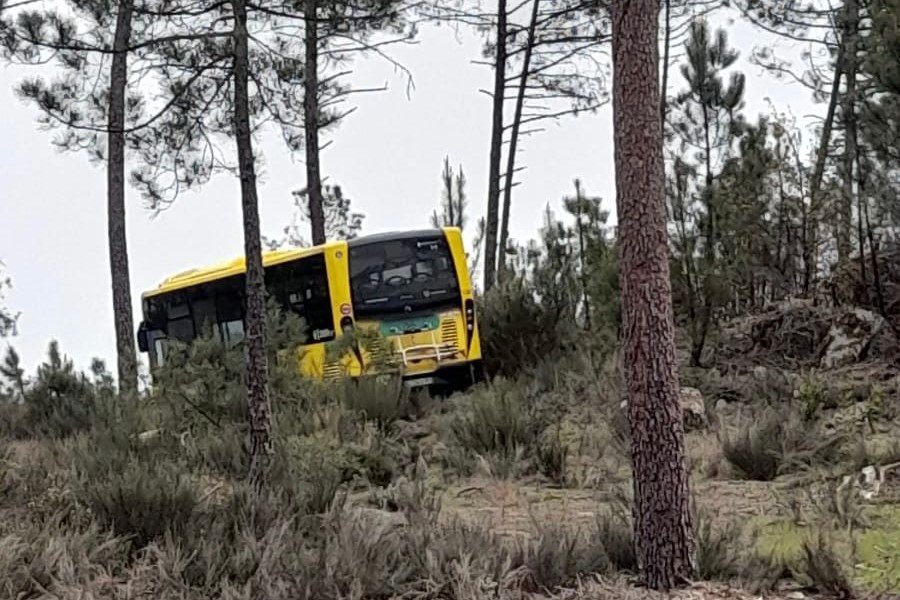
(693,409)
(721,405)
(146,436)
(850,336)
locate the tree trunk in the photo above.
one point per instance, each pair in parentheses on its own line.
(848,110)
(873,246)
(811,229)
(257,367)
(115,199)
(311,121)
(493,203)
(698,341)
(662,517)
(582,259)
(667,45)
(514,140)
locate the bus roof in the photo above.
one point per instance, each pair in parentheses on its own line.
(395,235)
(236,266)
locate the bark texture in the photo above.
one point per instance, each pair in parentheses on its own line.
(493,204)
(662,517)
(115,199)
(311,122)
(257,367)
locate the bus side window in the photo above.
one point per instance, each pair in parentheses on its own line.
(181,326)
(204,310)
(159,344)
(232,331)
(301,286)
(230,311)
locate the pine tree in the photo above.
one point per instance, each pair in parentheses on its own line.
(544,57)
(662,516)
(453,199)
(708,121)
(90,116)
(341,223)
(7,317)
(12,371)
(333,31)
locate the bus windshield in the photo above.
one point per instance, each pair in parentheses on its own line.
(402,276)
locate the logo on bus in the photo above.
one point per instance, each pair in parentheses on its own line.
(346,310)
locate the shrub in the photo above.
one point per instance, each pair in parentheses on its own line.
(719,556)
(141,500)
(775,442)
(224,451)
(615,532)
(58,401)
(312,471)
(494,423)
(380,457)
(561,553)
(46,561)
(823,568)
(552,457)
(518,332)
(201,384)
(382,400)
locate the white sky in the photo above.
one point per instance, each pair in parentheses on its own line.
(387,156)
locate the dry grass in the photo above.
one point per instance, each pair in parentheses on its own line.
(513,489)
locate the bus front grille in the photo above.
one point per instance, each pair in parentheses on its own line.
(449,333)
(332,370)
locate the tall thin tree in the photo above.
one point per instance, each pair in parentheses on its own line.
(257,372)
(492,220)
(311,121)
(115,198)
(75,35)
(514,137)
(662,516)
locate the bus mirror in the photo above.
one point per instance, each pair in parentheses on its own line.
(143,342)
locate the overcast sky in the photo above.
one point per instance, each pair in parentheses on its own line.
(387,156)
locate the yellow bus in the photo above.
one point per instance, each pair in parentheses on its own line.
(412,288)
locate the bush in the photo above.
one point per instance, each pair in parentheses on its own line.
(224,451)
(552,457)
(201,385)
(59,401)
(519,332)
(775,442)
(615,531)
(313,470)
(823,568)
(382,400)
(142,501)
(561,553)
(495,422)
(719,556)
(45,561)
